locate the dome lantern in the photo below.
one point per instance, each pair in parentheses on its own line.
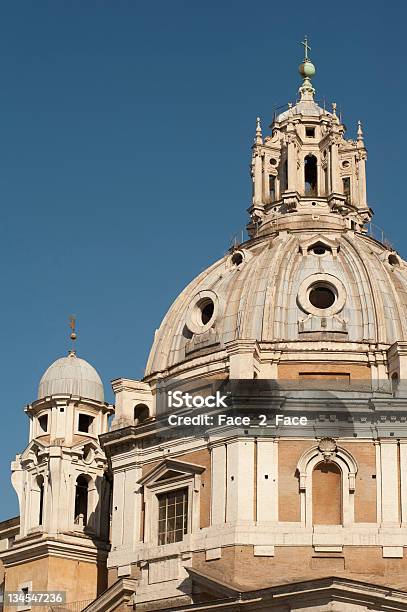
(307,71)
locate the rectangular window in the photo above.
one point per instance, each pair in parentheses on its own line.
(85,423)
(25,590)
(310,132)
(346,187)
(272,188)
(43,421)
(172,516)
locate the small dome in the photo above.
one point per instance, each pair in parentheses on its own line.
(74,376)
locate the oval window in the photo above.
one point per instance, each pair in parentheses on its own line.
(207,309)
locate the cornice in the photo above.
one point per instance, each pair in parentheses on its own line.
(62,399)
(30,549)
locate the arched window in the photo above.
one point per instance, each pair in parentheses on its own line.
(327,494)
(310,175)
(40,482)
(272,187)
(141,413)
(394,381)
(37,502)
(346,187)
(81,501)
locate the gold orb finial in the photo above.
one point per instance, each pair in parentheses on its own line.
(72,325)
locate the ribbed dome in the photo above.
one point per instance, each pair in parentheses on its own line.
(265,293)
(308,108)
(74,376)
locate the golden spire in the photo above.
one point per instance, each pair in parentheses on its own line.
(73,335)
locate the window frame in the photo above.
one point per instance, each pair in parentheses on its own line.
(151,504)
(40,430)
(185,516)
(349,468)
(189,477)
(28,585)
(312,129)
(93,426)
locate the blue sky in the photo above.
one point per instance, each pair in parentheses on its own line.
(125,134)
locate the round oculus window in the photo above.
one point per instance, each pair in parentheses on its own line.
(322,296)
(237,258)
(202,312)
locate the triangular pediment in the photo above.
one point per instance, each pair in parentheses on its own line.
(319,239)
(382,591)
(32,451)
(170,469)
(89,443)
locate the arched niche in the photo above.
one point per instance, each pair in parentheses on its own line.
(327,452)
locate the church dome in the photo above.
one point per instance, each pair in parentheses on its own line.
(311,292)
(292,289)
(73,376)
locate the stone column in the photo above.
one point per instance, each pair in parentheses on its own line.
(218,485)
(292,165)
(335,176)
(403,483)
(267,479)
(362,179)
(320,178)
(258,189)
(241,359)
(132,507)
(118,509)
(328,187)
(66,500)
(93,518)
(389,482)
(54,486)
(240,480)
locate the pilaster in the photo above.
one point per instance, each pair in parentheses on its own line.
(389,483)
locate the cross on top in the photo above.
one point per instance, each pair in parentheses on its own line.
(306,47)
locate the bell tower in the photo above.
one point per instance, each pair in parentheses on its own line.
(63,487)
(307,166)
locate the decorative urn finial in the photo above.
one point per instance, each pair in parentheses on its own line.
(259,136)
(360,131)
